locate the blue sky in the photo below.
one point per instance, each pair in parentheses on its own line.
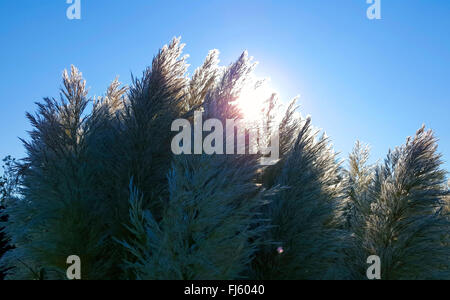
(373,80)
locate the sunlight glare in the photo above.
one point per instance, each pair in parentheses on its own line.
(252,99)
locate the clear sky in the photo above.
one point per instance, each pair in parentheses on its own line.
(373,80)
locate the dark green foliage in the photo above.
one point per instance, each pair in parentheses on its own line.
(207,226)
(9,181)
(218,216)
(359,177)
(401,214)
(447,198)
(63,213)
(3,242)
(145,135)
(357,206)
(304,215)
(8,190)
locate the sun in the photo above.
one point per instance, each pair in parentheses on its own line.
(252,100)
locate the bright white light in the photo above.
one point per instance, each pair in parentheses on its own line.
(251,101)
